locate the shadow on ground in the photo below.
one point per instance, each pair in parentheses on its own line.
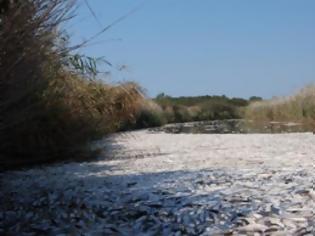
(83,198)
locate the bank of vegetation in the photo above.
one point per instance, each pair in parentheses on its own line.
(165,109)
(299,108)
(51,106)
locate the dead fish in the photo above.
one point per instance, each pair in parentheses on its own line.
(311,194)
(253,227)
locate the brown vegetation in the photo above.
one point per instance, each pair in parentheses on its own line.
(296,108)
(49,110)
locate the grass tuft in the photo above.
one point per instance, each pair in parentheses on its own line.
(299,107)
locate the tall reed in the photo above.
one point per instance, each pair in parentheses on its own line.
(299,107)
(48,111)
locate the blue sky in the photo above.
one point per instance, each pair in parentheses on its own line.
(238,48)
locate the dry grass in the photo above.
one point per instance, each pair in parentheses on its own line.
(49,112)
(296,108)
(148,114)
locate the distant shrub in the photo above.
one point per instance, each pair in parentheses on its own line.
(218,110)
(181,114)
(200,108)
(255,99)
(149,114)
(169,114)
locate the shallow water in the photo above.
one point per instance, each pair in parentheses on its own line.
(233,127)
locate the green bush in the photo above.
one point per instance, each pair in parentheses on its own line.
(148,119)
(200,108)
(149,114)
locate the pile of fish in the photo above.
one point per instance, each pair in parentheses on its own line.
(83,199)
